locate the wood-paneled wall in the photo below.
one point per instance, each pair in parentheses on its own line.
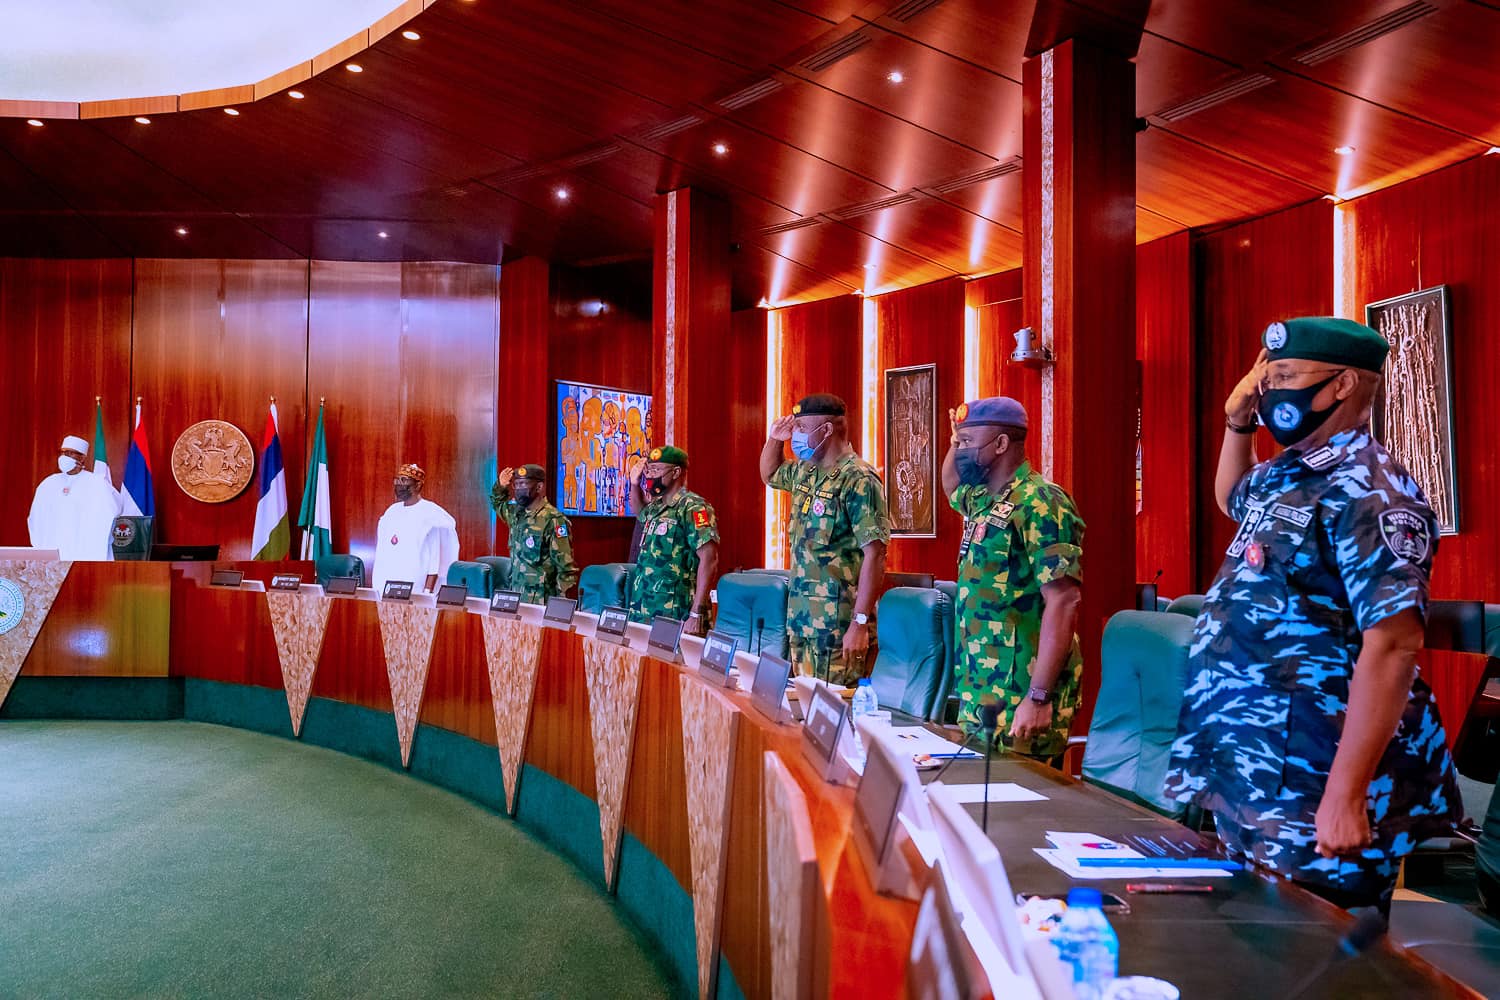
(918,326)
(404,352)
(728,475)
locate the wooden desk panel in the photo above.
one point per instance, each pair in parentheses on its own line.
(110,619)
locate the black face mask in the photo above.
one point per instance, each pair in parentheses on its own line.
(522,497)
(971,470)
(405,493)
(655,486)
(1288,413)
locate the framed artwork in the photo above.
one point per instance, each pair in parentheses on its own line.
(1413,414)
(599,429)
(911,489)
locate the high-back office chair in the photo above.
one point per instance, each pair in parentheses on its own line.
(477,576)
(602,585)
(913,658)
(1188,605)
(1145,658)
(499,571)
(945,708)
(327,567)
(752,608)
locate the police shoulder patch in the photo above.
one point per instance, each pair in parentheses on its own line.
(562,531)
(1405,533)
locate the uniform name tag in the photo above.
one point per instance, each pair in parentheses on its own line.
(1320,459)
(1301,518)
(1252,520)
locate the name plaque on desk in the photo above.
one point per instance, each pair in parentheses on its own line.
(614,626)
(666,633)
(226,578)
(286,581)
(452,595)
(506,604)
(718,658)
(346,585)
(396,590)
(559,613)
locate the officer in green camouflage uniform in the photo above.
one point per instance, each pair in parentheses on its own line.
(1019,581)
(679,552)
(837,532)
(541,539)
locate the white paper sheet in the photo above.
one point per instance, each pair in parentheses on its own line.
(1000,791)
(915,740)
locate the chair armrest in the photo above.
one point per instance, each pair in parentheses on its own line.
(1072,758)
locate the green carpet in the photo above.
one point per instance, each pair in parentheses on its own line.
(178,859)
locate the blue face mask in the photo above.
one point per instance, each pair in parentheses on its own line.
(803,447)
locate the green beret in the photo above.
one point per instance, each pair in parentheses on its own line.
(1328,339)
(669,454)
(533,472)
(819,404)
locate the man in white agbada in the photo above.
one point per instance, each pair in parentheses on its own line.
(418,540)
(74,512)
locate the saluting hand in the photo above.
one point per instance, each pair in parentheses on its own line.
(953,425)
(1242,401)
(781,430)
(506,475)
(637,467)
(1342,825)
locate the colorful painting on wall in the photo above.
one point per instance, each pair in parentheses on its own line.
(599,429)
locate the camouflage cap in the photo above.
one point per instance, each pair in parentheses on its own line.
(993,411)
(820,404)
(669,454)
(533,472)
(1329,339)
(412,471)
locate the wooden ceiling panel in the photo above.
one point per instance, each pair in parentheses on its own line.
(998,200)
(958,240)
(214,236)
(55,234)
(1250,32)
(94,171)
(760,275)
(1167,73)
(749,34)
(853,257)
(983,32)
(1197,186)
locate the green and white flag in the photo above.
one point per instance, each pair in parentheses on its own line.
(101,460)
(316,517)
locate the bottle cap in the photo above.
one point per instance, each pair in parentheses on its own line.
(863,682)
(1085,897)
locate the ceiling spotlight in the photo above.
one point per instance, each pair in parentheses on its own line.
(142,120)
(895,76)
(182,230)
(34,122)
(409,35)
(720,148)
(354,67)
(232,112)
(383,234)
(1343,150)
(561,193)
(1492,151)
(295,95)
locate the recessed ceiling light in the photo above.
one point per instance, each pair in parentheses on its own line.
(295,95)
(383,234)
(1492,151)
(182,230)
(895,76)
(410,36)
(142,120)
(1343,150)
(232,112)
(561,193)
(720,148)
(34,122)
(354,67)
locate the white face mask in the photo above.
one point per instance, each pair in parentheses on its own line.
(66,464)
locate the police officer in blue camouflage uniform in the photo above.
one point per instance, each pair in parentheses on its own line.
(1304,727)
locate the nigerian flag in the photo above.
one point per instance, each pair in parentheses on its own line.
(101,460)
(316,517)
(272,537)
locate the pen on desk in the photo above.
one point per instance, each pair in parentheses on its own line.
(1216,864)
(1167,887)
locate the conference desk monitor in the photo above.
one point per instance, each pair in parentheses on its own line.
(342,586)
(888,803)
(559,613)
(768,689)
(506,604)
(666,634)
(824,731)
(452,595)
(184,553)
(614,626)
(717,662)
(226,578)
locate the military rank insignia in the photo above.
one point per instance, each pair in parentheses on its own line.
(655,454)
(797,410)
(962,413)
(701,519)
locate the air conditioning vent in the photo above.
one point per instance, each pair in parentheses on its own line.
(1367,32)
(830,54)
(749,95)
(592,155)
(904,12)
(786,227)
(670,128)
(976,177)
(865,208)
(1238,87)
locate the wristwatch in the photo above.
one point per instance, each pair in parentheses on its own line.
(1040,695)
(860,618)
(1241,428)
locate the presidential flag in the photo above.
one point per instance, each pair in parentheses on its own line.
(101,460)
(316,516)
(137,494)
(272,538)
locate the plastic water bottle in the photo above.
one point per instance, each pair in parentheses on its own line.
(864,703)
(1087,944)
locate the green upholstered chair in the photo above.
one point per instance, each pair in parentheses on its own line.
(785,574)
(603,585)
(1487,856)
(913,659)
(339,564)
(1163,603)
(499,571)
(1188,605)
(477,576)
(752,608)
(945,709)
(1144,673)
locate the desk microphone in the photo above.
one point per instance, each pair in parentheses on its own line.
(989,717)
(760,637)
(1368,928)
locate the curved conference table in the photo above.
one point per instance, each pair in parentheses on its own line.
(150,640)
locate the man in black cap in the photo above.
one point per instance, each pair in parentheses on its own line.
(1304,726)
(838,532)
(541,538)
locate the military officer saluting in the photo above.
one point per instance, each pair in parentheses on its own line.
(541,539)
(838,532)
(1304,726)
(679,552)
(1020,580)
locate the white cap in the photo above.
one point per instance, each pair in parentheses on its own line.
(75,443)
